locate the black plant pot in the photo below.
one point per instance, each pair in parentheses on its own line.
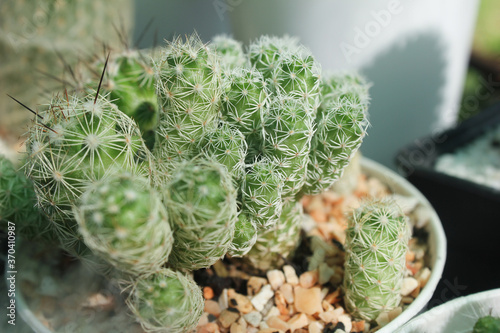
(470,212)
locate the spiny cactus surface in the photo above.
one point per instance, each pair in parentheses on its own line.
(201,203)
(166,301)
(123,220)
(376,247)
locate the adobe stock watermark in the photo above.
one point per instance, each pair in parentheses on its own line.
(223,6)
(418,157)
(381,19)
(11,273)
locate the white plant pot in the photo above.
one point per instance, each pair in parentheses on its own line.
(397,184)
(458,315)
(414,52)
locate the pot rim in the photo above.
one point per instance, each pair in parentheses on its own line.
(463,310)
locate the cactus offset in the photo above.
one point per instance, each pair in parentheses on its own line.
(341,126)
(245,236)
(261,193)
(166,301)
(376,248)
(124,221)
(202,209)
(279,242)
(79,141)
(189,87)
(230,52)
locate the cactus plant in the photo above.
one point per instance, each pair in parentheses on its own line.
(18,203)
(238,139)
(376,248)
(202,209)
(74,143)
(166,301)
(189,87)
(122,219)
(279,242)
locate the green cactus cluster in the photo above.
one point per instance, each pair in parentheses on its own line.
(198,151)
(376,248)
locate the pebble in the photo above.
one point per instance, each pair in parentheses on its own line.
(209,328)
(315,327)
(308,279)
(358,326)
(382,319)
(290,275)
(346,320)
(308,301)
(298,321)
(394,313)
(276,322)
(236,328)
(409,285)
(240,302)
(287,291)
(270,330)
(212,307)
(253,318)
(228,317)
(254,285)
(208,293)
(223,300)
(274,312)
(423,276)
(264,295)
(276,278)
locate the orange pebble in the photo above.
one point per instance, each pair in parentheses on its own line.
(208,293)
(318,215)
(358,326)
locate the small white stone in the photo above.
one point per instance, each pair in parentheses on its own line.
(264,295)
(223,300)
(409,285)
(291,275)
(253,318)
(346,320)
(274,312)
(382,319)
(276,278)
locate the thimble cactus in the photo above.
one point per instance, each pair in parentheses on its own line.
(166,301)
(376,248)
(74,143)
(123,220)
(245,236)
(279,242)
(202,209)
(189,87)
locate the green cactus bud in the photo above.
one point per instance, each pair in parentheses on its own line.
(265,53)
(298,76)
(227,146)
(17,203)
(261,193)
(202,209)
(376,247)
(230,52)
(130,81)
(244,105)
(77,142)
(166,301)
(341,127)
(288,132)
(279,242)
(245,236)
(124,221)
(188,86)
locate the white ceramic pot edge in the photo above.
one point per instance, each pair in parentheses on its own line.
(437,239)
